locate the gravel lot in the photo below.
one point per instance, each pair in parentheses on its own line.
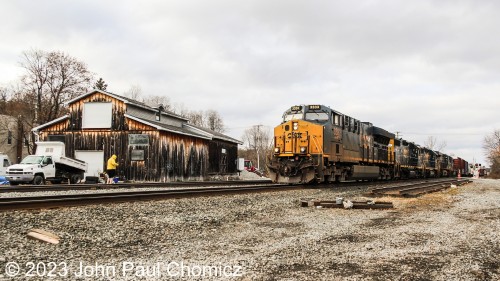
(451,235)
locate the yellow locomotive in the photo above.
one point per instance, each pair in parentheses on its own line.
(316,144)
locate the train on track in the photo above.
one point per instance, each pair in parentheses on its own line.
(315,143)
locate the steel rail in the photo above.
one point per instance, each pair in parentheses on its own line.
(409,185)
(418,188)
(66,187)
(38,202)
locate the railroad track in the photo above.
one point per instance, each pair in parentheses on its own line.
(415,189)
(66,187)
(132,192)
(64,200)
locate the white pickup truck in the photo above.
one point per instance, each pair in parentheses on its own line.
(48,163)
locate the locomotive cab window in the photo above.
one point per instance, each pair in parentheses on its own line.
(294,115)
(337,119)
(345,125)
(317,116)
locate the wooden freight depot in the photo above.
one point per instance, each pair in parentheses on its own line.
(151,144)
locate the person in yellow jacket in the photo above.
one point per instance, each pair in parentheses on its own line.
(111,168)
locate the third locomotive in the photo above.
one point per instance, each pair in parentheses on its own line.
(315,143)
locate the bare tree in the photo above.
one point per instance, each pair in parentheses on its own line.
(51,79)
(135,93)
(180,108)
(491,146)
(433,144)
(68,78)
(213,121)
(195,118)
(35,80)
(155,100)
(258,139)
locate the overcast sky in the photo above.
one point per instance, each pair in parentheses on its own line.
(420,68)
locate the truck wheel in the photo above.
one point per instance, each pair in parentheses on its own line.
(38,180)
(74,179)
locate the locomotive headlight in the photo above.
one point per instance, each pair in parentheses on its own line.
(303,149)
(295,126)
(276,150)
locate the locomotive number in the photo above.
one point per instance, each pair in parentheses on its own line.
(297,135)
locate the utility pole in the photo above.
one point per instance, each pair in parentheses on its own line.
(257,145)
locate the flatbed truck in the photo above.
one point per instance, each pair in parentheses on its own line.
(48,163)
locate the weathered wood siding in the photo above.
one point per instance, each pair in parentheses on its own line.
(167,157)
(223,156)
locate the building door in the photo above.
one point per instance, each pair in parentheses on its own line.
(94,159)
(223,162)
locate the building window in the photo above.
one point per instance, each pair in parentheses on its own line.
(137,155)
(97,115)
(138,139)
(9,137)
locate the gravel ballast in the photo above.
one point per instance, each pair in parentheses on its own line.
(450,235)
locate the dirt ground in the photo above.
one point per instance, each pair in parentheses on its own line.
(450,235)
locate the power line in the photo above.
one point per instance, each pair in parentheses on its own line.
(444,134)
(250,126)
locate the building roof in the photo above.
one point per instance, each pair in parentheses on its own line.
(64,117)
(215,135)
(184,129)
(173,129)
(127,101)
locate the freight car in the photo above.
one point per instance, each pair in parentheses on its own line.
(460,167)
(315,143)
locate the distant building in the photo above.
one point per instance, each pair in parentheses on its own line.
(151,144)
(12,142)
